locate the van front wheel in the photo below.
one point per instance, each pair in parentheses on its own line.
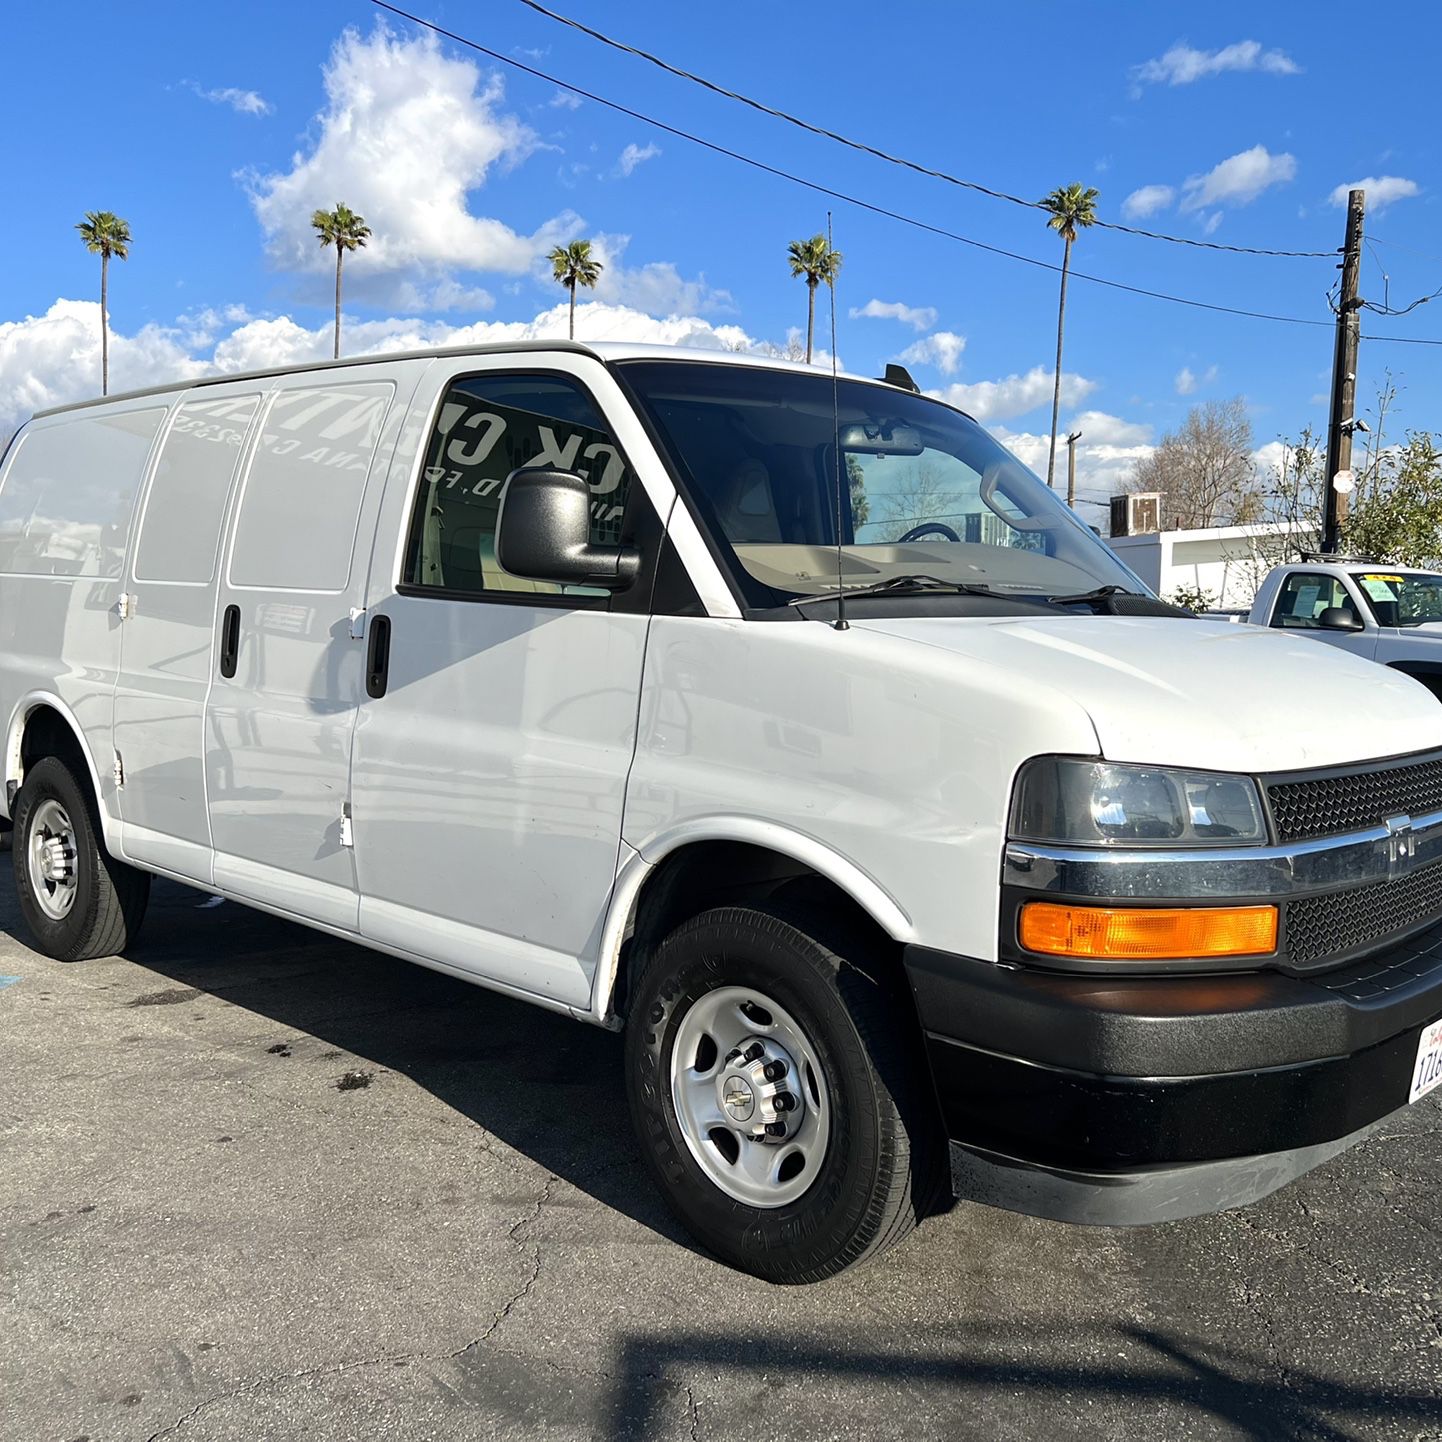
(77,899)
(777,1090)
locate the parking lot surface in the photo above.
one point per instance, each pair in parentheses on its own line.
(259,1184)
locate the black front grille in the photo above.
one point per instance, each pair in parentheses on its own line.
(1399,968)
(1342,923)
(1332,804)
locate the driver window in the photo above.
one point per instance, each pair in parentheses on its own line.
(1303,598)
(488,426)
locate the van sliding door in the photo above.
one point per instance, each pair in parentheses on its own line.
(287,672)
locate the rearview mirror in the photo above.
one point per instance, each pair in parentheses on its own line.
(543,533)
(1339,618)
(880,438)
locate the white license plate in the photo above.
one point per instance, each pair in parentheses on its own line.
(1428,1071)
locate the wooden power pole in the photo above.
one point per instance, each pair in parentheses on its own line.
(1071,441)
(1344,377)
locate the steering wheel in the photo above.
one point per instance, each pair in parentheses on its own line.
(931,528)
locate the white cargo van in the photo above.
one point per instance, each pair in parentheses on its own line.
(787,722)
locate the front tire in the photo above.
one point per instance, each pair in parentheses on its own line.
(777,1087)
(78,900)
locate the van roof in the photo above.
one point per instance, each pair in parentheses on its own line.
(599,350)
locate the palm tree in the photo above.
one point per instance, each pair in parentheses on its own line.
(345,230)
(1070,207)
(572,265)
(105,234)
(817,261)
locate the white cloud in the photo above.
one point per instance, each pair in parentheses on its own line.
(1106,455)
(55,358)
(1239,179)
(1015,395)
(444,294)
(919,317)
(656,287)
(1147,201)
(1268,458)
(564,100)
(941,349)
(1182,65)
(1381,190)
(1209,223)
(244,102)
(407,133)
(1185,383)
(634,155)
(49,359)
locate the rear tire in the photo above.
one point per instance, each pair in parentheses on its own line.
(859,1158)
(78,900)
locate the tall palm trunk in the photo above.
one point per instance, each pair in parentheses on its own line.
(810,315)
(339,254)
(104,324)
(1056,382)
(573,310)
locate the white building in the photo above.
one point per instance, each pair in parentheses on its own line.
(1226,562)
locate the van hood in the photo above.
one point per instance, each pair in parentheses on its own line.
(1198,693)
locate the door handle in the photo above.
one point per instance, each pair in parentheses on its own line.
(229,640)
(378,656)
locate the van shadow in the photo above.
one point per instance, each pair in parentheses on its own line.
(1027,1379)
(550,1087)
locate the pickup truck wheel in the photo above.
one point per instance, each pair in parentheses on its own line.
(777,1092)
(78,901)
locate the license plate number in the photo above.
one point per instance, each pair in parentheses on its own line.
(1428,1071)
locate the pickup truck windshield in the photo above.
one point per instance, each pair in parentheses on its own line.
(1397,599)
(924,489)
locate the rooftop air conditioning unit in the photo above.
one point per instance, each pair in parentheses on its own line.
(1136,514)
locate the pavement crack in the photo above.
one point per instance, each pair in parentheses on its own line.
(695,1414)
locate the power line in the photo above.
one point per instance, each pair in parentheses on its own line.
(913,165)
(841,195)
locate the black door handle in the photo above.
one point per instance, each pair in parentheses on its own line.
(229,640)
(378,656)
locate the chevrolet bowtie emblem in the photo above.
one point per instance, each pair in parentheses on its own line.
(1401,846)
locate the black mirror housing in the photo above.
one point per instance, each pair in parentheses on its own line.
(543,533)
(1340,618)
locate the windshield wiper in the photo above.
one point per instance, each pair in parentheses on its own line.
(1087,598)
(904,586)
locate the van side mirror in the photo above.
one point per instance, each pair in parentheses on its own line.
(543,533)
(1340,618)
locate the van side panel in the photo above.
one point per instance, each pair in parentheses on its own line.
(67,501)
(168,643)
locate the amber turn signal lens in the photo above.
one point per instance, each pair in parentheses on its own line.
(1110,933)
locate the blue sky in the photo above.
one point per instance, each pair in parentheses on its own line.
(216,130)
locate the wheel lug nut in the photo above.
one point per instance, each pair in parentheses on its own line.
(753,1051)
(732,1055)
(784,1102)
(774,1070)
(775,1129)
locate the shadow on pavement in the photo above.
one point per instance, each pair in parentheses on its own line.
(547,1086)
(971,1368)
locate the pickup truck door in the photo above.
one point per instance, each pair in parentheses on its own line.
(1304,595)
(493,746)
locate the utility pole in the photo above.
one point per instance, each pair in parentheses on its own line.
(1071,441)
(1343,416)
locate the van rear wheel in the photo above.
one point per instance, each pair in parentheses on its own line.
(77,899)
(778,1092)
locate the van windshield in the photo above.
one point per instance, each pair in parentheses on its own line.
(924,490)
(1398,599)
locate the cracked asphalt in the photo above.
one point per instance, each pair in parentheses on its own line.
(259,1184)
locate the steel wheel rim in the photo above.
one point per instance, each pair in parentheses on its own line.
(52,857)
(711,1086)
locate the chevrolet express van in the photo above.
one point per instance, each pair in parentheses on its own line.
(784,721)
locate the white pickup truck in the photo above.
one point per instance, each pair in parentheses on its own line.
(785,722)
(1388,614)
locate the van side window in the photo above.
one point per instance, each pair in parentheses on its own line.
(1303,598)
(301,504)
(69,492)
(180,531)
(487,427)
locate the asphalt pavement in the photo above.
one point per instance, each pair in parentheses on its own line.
(256,1183)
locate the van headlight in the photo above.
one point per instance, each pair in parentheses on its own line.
(1077,802)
